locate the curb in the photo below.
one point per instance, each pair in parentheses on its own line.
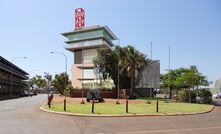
(124,115)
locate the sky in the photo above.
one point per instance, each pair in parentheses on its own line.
(192,28)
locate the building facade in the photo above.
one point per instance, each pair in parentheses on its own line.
(83,43)
(148,80)
(12,78)
(149,77)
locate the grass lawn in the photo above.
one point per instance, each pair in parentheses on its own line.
(142,108)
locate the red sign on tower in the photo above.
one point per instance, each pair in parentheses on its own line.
(79,18)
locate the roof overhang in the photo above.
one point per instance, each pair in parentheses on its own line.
(92,28)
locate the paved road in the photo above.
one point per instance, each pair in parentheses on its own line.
(22,116)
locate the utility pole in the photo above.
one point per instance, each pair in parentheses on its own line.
(82,82)
(151,50)
(151,72)
(118,73)
(65,79)
(169,74)
(169,58)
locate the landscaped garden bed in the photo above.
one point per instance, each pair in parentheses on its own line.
(109,107)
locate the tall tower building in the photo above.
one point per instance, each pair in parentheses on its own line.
(84,42)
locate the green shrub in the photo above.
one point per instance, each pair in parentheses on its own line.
(68,90)
(204,96)
(185,94)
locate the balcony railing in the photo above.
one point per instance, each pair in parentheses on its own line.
(15,72)
(14,82)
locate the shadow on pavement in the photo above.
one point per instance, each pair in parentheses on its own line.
(2,98)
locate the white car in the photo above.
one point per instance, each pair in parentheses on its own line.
(217,95)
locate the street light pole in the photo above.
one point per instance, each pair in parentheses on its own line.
(150,71)
(82,82)
(65,84)
(118,73)
(11,73)
(169,75)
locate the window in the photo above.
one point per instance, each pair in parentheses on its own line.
(89,73)
(89,55)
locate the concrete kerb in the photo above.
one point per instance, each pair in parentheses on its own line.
(123,115)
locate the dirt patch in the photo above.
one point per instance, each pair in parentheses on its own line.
(60,99)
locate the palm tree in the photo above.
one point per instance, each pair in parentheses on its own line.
(131,61)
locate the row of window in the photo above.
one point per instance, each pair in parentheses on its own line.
(6,75)
(6,88)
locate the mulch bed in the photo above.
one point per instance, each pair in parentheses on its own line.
(60,99)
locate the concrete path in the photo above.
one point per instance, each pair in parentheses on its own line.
(22,116)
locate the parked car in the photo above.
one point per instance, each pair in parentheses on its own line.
(24,94)
(217,96)
(94,94)
(34,93)
(30,94)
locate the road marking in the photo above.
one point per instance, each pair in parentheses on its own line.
(167,130)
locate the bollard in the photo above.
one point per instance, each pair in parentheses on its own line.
(65,104)
(49,103)
(92,106)
(49,100)
(157,106)
(126,106)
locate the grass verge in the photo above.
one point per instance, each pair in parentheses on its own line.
(148,109)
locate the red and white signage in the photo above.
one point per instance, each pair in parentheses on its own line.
(79,18)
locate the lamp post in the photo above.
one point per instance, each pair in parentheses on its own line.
(82,82)
(170,92)
(11,72)
(65,75)
(151,81)
(151,72)
(118,73)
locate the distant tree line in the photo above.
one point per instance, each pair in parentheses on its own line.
(47,82)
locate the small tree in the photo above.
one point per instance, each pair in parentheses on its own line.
(59,82)
(48,78)
(31,83)
(68,90)
(39,81)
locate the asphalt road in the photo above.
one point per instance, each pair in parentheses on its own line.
(22,116)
